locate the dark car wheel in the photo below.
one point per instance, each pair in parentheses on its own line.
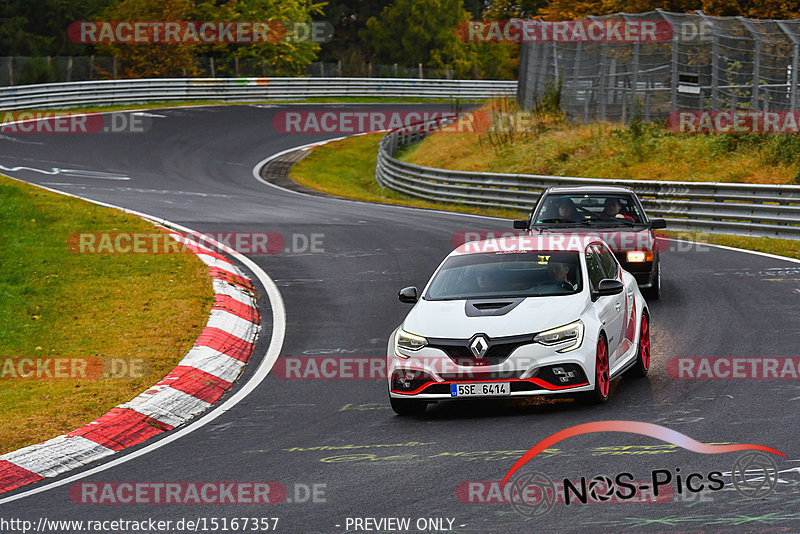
(642,365)
(654,292)
(407,406)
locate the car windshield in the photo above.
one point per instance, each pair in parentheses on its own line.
(594,208)
(506,275)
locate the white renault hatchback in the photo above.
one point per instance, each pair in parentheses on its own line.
(519,316)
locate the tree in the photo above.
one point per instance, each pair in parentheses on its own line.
(421,31)
(146,60)
(39,27)
(289,53)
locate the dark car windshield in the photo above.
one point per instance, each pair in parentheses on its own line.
(499,275)
(593,208)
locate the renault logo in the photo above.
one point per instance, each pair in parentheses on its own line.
(479,346)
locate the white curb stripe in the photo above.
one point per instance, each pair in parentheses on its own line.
(167,405)
(211,261)
(234,291)
(57,455)
(214,363)
(233,324)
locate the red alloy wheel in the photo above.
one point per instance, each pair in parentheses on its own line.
(601,372)
(644,343)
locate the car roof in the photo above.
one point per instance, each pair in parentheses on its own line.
(549,242)
(589,189)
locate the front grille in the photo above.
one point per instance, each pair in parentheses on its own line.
(499,349)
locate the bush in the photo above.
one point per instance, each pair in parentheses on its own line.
(37,70)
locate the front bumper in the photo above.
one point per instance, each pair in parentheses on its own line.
(531,370)
(644,272)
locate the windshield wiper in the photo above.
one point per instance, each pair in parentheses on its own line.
(562,221)
(626,222)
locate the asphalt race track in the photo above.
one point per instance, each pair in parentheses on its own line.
(195,167)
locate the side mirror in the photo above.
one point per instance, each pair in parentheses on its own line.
(658,224)
(608,287)
(408,295)
(521,224)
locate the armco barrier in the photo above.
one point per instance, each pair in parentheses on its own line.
(723,208)
(108,92)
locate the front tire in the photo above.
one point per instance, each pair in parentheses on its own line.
(602,381)
(642,365)
(407,406)
(654,292)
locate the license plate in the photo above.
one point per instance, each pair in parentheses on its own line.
(480,389)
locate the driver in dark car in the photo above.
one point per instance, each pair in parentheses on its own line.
(612,209)
(567,210)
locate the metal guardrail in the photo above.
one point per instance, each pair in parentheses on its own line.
(738,209)
(108,92)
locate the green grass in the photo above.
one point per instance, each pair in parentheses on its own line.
(147,308)
(346,168)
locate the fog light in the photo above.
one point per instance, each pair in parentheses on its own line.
(563,376)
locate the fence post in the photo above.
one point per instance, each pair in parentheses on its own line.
(795,53)
(602,81)
(420,70)
(673,83)
(754,93)
(576,73)
(714,59)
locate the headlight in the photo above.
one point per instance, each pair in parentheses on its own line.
(638,256)
(570,335)
(406,341)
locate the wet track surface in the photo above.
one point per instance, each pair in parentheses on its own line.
(194,167)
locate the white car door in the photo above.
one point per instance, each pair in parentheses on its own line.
(611,309)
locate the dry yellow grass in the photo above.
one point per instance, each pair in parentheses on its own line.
(606,150)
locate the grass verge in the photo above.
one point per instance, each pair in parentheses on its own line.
(548,143)
(346,168)
(144,311)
